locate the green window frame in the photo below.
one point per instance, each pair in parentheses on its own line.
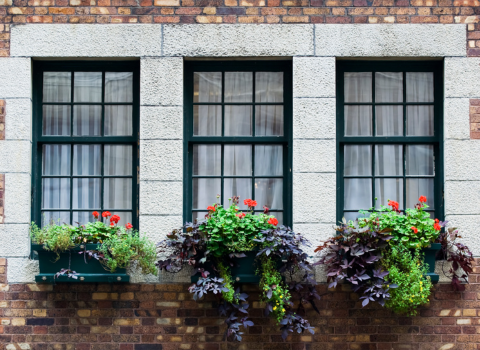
(190,140)
(435,140)
(39,140)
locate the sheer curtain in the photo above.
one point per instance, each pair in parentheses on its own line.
(207,119)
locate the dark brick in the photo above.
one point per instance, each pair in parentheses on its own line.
(191,322)
(148,347)
(40,321)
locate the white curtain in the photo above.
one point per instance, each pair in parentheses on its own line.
(389,162)
(57,86)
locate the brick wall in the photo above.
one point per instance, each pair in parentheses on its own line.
(241,11)
(163,317)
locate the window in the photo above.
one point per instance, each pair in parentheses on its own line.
(389,135)
(85,133)
(238,135)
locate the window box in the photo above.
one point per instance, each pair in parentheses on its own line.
(430,253)
(89,270)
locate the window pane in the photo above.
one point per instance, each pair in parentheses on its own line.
(118,121)
(388,160)
(237,160)
(358,194)
(419,120)
(118,86)
(207,120)
(269,192)
(56,193)
(82,217)
(358,86)
(420,187)
(358,120)
(207,160)
(388,189)
(118,160)
(56,120)
(420,87)
(57,86)
(389,120)
(238,120)
(56,160)
(237,187)
(87,120)
(269,160)
(269,120)
(117,193)
(87,87)
(352,215)
(388,87)
(87,160)
(268,87)
(205,192)
(357,160)
(55,217)
(125,217)
(419,160)
(238,86)
(86,193)
(207,87)
(200,215)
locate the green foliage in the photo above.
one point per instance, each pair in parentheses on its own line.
(55,238)
(274,290)
(224,272)
(408,271)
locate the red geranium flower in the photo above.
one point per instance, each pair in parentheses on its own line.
(106,214)
(415,230)
(437,226)
(112,224)
(247,202)
(128,226)
(273,221)
(393,204)
(115,219)
(210,208)
(253,203)
(95,214)
(241,215)
(437,221)
(422,199)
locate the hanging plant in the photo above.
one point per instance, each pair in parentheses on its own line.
(216,245)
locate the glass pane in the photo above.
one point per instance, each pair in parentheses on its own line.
(358,194)
(205,192)
(388,160)
(55,217)
(238,120)
(118,86)
(419,120)
(207,120)
(87,87)
(268,87)
(237,160)
(279,216)
(420,87)
(358,86)
(118,160)
(87,160)
(417,188)
(82,217)
(55,193)
(389,120)
(87,120)
(56,160)
(125,217)
(86,193)
(388,189)
(117,193)
(118,120)
(207,160)
(388,87)
(352,215)
(200,215)
(237,187)
(357,160)
(57,87)
(419,160)
(269,160)
(207,87)
(269,192)
(358,121)
(56,120)
(269,120)
(238,86)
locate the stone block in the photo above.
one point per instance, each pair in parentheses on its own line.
(462,160)
(17,198)
(157,227)
(161,198)
(456,119)
(468,227)
(18,119)
(15,77)
(158,123)
(314,156)
(314,77)
(15,157)
(161,81)
(14,240)
(461,197)
(22,270)
(161,160)
(314,118)
(462,77)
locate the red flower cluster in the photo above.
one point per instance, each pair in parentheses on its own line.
(128,226)
(393,204)
(106,214)
(436,225)
(415,230)
(273,221)
(114,219)
(250,203)
(210,208)
(95,214)
(422,199)
(241,215)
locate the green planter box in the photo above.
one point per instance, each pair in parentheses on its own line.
(430,254)
(92,271)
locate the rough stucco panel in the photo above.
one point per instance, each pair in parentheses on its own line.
(469,227)
(462,160)
(461,197)
(462,77)
(456,118)
(314,156)
(22,270)
(161,81)
(315,233)
(15,77)
(18,119)
(157,227)
(17,198)
(238,40)
(314,77)
(16,157)
(314,118)
(161,123)
(386,40)
(86,40)
(161,198)
(161,160)
(14,240)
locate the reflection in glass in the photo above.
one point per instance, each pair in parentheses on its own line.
(56,120)
(87,87)
(237,160)
(118,120)
(419,120)
(205,192)
(56,193)
(86,193)
(57,86)
(118,160)
(357,160)
(238,86)
(420,187)
(358,194)
(56,160)
(238,120)
(87,120)
(388,87)
(268,160)
(389,120)
(358,120)
(117,193)
(87,160)
(55,217)
(269,192)
(207,160)
(207,87)
(419,160)
(388,160)
(118,86)
(268,120)
(236,187)
(268,87)
(419,86)
(207,120)
(388,189)
(358,86)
